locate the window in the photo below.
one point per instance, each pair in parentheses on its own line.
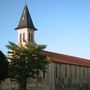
(44,74)
(69,80)
(23,37)
(71,73)
(32,37)
(56,70)
(62,80)
(20,37)
(29,36)
(75,72)
(65,71)
(83,72)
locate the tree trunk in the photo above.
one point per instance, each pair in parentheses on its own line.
(23,84)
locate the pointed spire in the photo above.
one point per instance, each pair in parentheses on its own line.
(25,20)
(25,2)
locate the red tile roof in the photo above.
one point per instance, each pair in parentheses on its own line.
(66,59)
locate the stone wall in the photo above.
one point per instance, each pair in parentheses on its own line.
(71,77)
(47,82)
(58,77)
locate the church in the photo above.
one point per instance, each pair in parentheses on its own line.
(64,72)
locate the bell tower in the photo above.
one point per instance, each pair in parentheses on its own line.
(25,28)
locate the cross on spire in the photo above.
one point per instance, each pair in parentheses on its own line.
(25,2)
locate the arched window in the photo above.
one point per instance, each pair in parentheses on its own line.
(23,37)
(30,37)
(20,37)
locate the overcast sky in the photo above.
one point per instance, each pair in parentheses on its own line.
(63,25)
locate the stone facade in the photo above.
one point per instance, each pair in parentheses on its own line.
(59,77)
(71,77)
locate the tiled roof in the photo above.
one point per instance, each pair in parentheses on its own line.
(66,59)
(25,20)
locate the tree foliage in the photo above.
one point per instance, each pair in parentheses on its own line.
(26,62)
(3,67)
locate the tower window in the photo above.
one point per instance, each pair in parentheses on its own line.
(29,36)
(23,37)
(20,37)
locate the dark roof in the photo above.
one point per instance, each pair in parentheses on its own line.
(25,20)
(66,59)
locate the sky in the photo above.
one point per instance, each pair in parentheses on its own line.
(63,25)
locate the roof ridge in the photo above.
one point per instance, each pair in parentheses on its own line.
(67,55)
(67,59)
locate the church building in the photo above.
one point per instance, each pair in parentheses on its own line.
(64,72)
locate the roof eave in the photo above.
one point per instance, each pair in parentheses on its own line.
(25,27)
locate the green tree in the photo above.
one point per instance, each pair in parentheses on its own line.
(3,67)
(26,62)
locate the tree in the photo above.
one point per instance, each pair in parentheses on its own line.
(26,62)
(3,67)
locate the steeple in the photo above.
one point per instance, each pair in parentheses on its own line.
(25,20)
(25,28)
